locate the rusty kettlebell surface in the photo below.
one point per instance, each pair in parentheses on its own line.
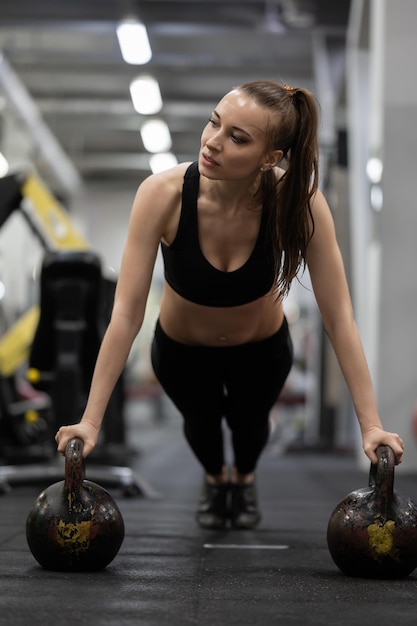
(372,532)
(75,524)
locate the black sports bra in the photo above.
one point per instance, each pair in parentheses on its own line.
(191,275)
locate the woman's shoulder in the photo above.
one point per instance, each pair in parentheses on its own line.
(158,197)
(169,180)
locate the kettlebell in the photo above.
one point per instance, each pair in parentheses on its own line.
(75,524)
(372,532)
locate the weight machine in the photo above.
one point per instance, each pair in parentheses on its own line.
(58,341)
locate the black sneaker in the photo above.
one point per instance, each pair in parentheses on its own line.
(212,508)
(244,507)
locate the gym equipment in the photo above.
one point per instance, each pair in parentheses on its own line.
(44,214)
(74,313)
(52,225)
(26,427)
(372,532)
(75,524)
(60,339)
(26,421)
(69,331)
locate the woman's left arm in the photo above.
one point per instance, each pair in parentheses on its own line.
(325,264)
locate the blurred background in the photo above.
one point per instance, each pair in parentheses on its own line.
(85,116)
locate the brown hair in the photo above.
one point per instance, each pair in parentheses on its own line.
(293,129)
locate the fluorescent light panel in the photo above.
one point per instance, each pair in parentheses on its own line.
(134,43)
(156,136)
(146,95)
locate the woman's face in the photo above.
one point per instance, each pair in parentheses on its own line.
(234,142)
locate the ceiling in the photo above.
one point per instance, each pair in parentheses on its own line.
(64,87)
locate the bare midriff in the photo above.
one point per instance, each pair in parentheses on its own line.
(195,324)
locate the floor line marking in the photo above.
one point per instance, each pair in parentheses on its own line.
(236,546)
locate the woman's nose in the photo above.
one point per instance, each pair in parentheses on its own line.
(214,142)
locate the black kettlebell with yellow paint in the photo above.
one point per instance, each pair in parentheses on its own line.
(372,532)
(75,524)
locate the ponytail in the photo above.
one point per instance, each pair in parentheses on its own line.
(287,200)
(294,221)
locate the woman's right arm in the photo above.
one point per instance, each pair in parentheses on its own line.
(147,225)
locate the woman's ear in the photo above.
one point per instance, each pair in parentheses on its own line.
(272,159)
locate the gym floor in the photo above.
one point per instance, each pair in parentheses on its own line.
(170,572)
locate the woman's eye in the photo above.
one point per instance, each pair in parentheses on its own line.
(235,138)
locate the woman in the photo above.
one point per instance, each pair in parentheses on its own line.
(235,229)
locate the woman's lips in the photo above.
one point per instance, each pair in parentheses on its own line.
(208,160)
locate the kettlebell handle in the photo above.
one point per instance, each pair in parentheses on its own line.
(74,469)
(74,448)
(381,476)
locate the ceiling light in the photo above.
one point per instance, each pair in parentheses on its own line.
(134,42)
(4,166)
(162,161)
(146,96)
(374,169)
(155,136)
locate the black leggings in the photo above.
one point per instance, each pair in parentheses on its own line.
(239,383)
